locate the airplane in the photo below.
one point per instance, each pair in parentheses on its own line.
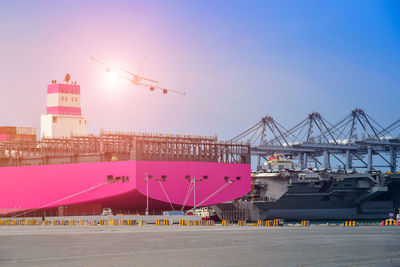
(136,79)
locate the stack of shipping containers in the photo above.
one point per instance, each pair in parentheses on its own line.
(12,133)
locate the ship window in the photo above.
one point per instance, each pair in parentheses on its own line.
(226,178)
(335,184)
(347,184)
(187,177)
(238,178)
(205,177)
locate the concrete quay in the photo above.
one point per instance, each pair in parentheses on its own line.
(175,245)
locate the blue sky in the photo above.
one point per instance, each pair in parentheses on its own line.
(237,61)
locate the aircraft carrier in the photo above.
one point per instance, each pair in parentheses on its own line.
(310,195)
(296,176)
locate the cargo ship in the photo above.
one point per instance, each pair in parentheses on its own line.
(281,191)
(71,172)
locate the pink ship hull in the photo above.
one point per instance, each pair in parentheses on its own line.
(49,186)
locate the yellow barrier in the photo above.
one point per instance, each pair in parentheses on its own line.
(188,223)
(350,223)
(241,223)
(225,222)
(390,222)
(305,223)
(141,222)
(162,222)
(260,223)
(210,223)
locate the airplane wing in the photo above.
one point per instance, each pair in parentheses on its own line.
(164,90)
(101,63)
(140,77)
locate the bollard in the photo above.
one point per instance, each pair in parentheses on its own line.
(72,223)
(181,222)
(141,222)
(225,223)
(241,223)
(210,223)
(350,223)
(305,223)
(188,222)
(260,223)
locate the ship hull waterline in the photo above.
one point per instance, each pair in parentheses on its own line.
(121,185)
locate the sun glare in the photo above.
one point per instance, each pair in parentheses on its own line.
(112,78)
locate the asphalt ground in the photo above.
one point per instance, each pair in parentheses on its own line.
(199,246)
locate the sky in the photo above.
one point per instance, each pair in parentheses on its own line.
(236,60)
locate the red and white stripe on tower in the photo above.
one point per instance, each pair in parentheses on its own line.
(64,99)
(63,117)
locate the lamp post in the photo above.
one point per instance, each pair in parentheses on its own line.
(194,180)
(147,192)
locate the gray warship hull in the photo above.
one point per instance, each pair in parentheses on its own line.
(295,196)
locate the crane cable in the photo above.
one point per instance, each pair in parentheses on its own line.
(165,193)
(70,196)
(216,192)
(190,189)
